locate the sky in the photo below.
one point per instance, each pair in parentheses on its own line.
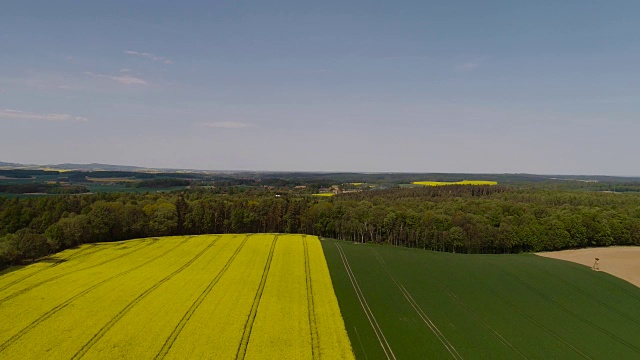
(546,87)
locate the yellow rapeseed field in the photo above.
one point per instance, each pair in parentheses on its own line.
(463,182)
(284,298)
(212,296)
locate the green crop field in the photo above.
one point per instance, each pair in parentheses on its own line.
(295,297)
(400,303)
(260,296)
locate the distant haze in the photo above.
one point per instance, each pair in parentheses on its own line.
(422,86)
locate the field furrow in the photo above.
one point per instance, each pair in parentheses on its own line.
(382,340)
(34,272)
(35,285)
(573,308)
(481,306)
(215,328)
(49,263)
(284,298)
(166,347)
(47,302)
(248,327)
(98,305)
(313,325)
(333,342)
(85,348)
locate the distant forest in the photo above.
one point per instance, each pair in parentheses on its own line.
(461,219)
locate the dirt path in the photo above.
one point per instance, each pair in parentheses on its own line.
(620,261)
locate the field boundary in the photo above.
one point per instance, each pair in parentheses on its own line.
(425,318)
(86,347)
(313,326)
(79,253)
(66,303)
(29,288)
(246,334)
(365,306)
(166,347)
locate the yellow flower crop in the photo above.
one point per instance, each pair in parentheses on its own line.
(213,296)
(463,182)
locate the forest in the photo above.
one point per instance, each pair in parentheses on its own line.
(461,219)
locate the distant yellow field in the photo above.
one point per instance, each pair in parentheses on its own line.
(111,179)
(264,296)
(463,182)
(324,194)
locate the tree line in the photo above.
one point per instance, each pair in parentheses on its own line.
(461,219)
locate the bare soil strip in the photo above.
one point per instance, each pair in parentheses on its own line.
(620,261)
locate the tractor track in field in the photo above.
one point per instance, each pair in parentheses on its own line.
(612,283)
(66,303)
(622,289)
(196,304)
(425,318)
(595,300)
(97,336)
(246,334)
(568,311)
(365,306)
(532,320)
(453,296)
(53,278)
(78,254)
(313,326)
(496,334)
(360,342)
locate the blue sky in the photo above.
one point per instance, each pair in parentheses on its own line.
(422,86)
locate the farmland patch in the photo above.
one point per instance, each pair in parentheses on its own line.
(400,303)
(463,182)
(211,296)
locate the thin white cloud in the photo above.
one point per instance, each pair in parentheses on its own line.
(24,115)
(226,125)
(149,56)
(68,87)
(71,59)
(467,66)
(470,65)
(122,79)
